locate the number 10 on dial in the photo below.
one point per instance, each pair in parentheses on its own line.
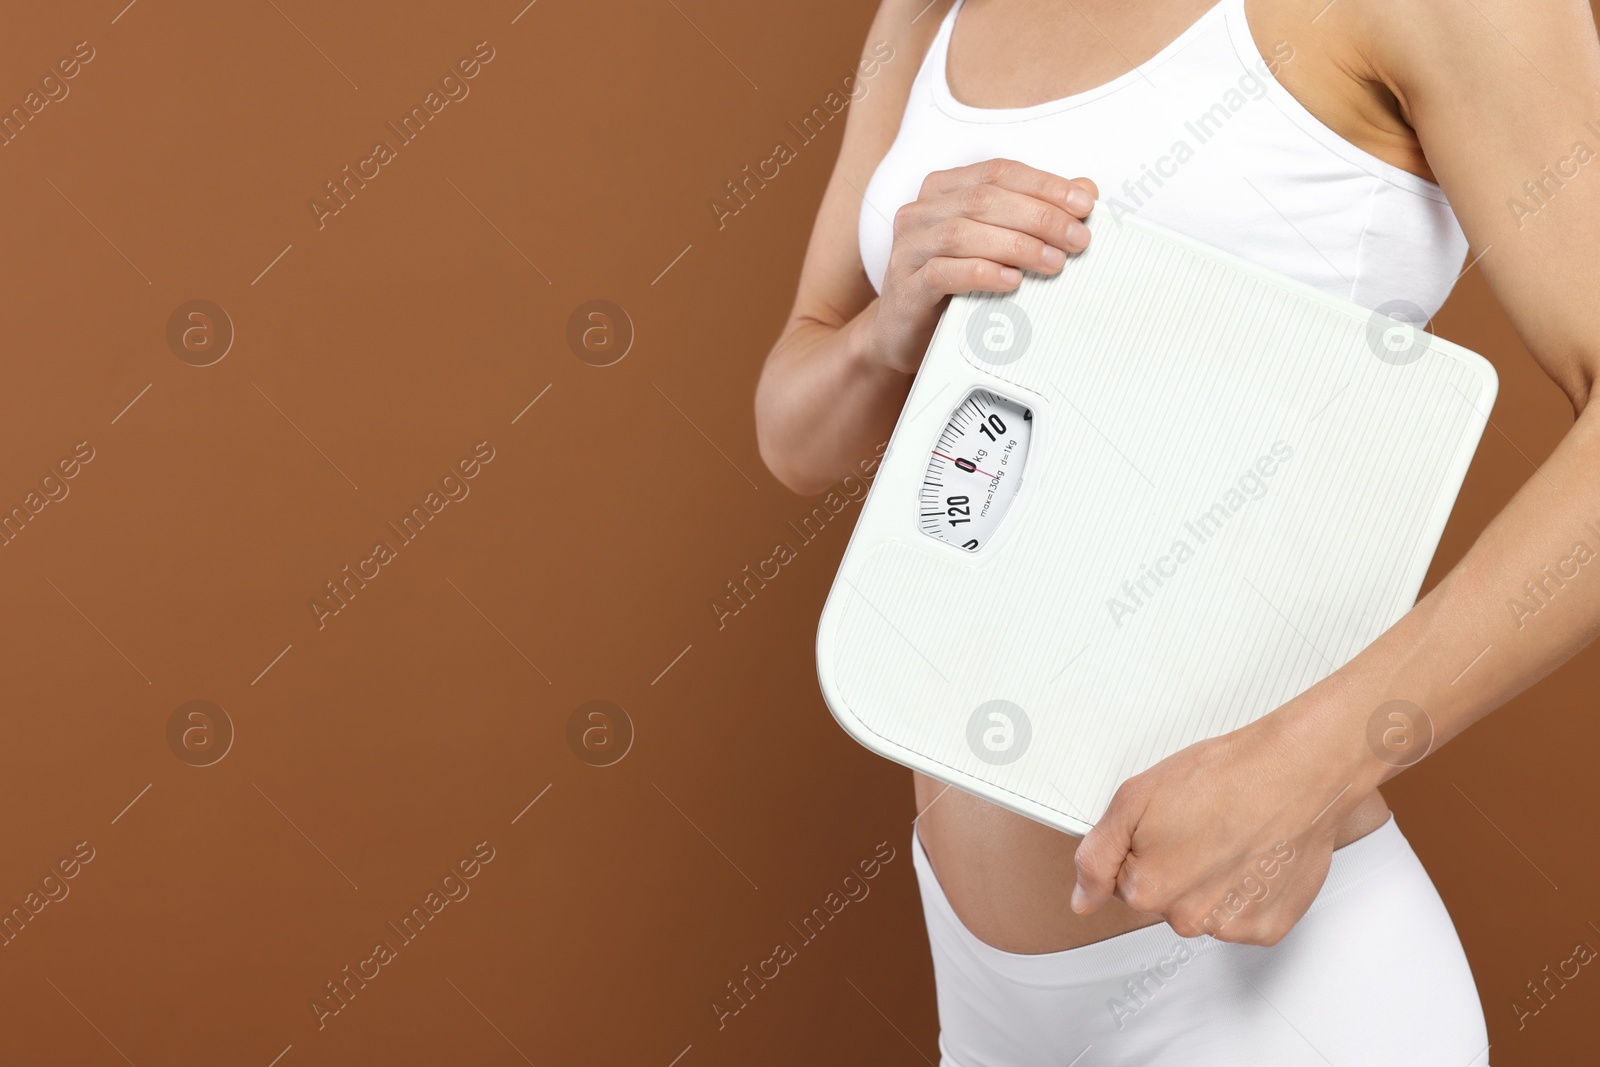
(975,469)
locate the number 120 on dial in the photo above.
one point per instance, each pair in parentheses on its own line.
(975,469)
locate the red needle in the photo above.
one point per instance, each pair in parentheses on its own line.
(941,455)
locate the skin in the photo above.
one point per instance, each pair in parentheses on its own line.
(1478,95)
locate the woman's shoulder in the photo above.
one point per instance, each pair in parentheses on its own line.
(1337,73)
(896,44)
(902,31)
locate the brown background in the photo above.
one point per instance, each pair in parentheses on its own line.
(427,715)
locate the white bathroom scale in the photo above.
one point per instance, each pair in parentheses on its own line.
(1134,505)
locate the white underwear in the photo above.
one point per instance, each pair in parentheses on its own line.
(1373,975)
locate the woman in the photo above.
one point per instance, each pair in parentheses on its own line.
(1364,147)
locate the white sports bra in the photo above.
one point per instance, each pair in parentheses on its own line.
(1204,140)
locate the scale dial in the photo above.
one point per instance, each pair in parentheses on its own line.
(975,469)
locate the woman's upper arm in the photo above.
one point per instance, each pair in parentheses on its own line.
(1505,98)
(833,285)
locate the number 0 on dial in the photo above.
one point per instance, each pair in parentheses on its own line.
(975,469)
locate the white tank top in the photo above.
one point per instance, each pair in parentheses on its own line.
(1204,140)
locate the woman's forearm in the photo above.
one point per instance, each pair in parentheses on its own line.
(1524,599)
(823,402)
(832,388)
(1521,602)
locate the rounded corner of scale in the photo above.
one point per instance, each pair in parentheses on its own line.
(1070,824)
(1486,371)
(1478,364)
(853,725)
(1060,820)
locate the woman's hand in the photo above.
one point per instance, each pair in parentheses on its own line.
(1232,836)
(972,228)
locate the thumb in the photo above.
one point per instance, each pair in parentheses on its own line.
(1101,853)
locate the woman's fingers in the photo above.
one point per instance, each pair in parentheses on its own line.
(999,210)
(964,238)
(1076,196)
(920,291)
(973,228)
(1017,210)
(1102,853)
(942,276)
(1005,210)
(1215,839)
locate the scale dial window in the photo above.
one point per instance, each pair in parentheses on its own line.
(975,469)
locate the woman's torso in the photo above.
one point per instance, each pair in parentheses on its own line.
(1200,136)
